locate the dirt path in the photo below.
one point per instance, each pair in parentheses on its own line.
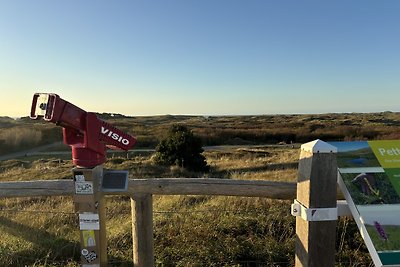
(39,150)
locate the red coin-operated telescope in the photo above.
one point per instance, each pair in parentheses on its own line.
(87,135)
(89,138)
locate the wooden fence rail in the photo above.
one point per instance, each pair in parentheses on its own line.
(159,186)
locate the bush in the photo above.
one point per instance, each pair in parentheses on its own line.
(181,148)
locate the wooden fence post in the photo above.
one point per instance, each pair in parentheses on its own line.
(142,230)
(316,188)
(90,204)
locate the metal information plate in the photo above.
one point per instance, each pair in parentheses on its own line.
(115,181)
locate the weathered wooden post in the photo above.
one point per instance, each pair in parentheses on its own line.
(315,206)
(89,203)
(142,230)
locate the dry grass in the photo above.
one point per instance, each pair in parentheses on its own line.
(261,163)
(189,230)
(229,130)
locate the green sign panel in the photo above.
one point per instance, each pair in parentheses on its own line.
(369,177)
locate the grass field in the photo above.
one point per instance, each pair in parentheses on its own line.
(220,130)
(188,230)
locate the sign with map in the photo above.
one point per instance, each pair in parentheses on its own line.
(369,177)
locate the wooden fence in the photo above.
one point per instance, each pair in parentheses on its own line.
(316,188)
(141,191)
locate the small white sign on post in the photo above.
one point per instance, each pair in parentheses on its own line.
(89,221)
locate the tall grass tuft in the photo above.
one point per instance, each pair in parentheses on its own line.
(21,136)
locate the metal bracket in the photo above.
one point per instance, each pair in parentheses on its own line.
(314,214)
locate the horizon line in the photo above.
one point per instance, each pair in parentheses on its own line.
(222,115)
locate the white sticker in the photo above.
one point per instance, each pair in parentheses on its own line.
(79,178)
(84,188)
(89,221)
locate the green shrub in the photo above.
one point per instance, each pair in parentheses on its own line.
(181,148)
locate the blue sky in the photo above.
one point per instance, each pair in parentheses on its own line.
(202,57)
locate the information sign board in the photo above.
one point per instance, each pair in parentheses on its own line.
(369,177)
